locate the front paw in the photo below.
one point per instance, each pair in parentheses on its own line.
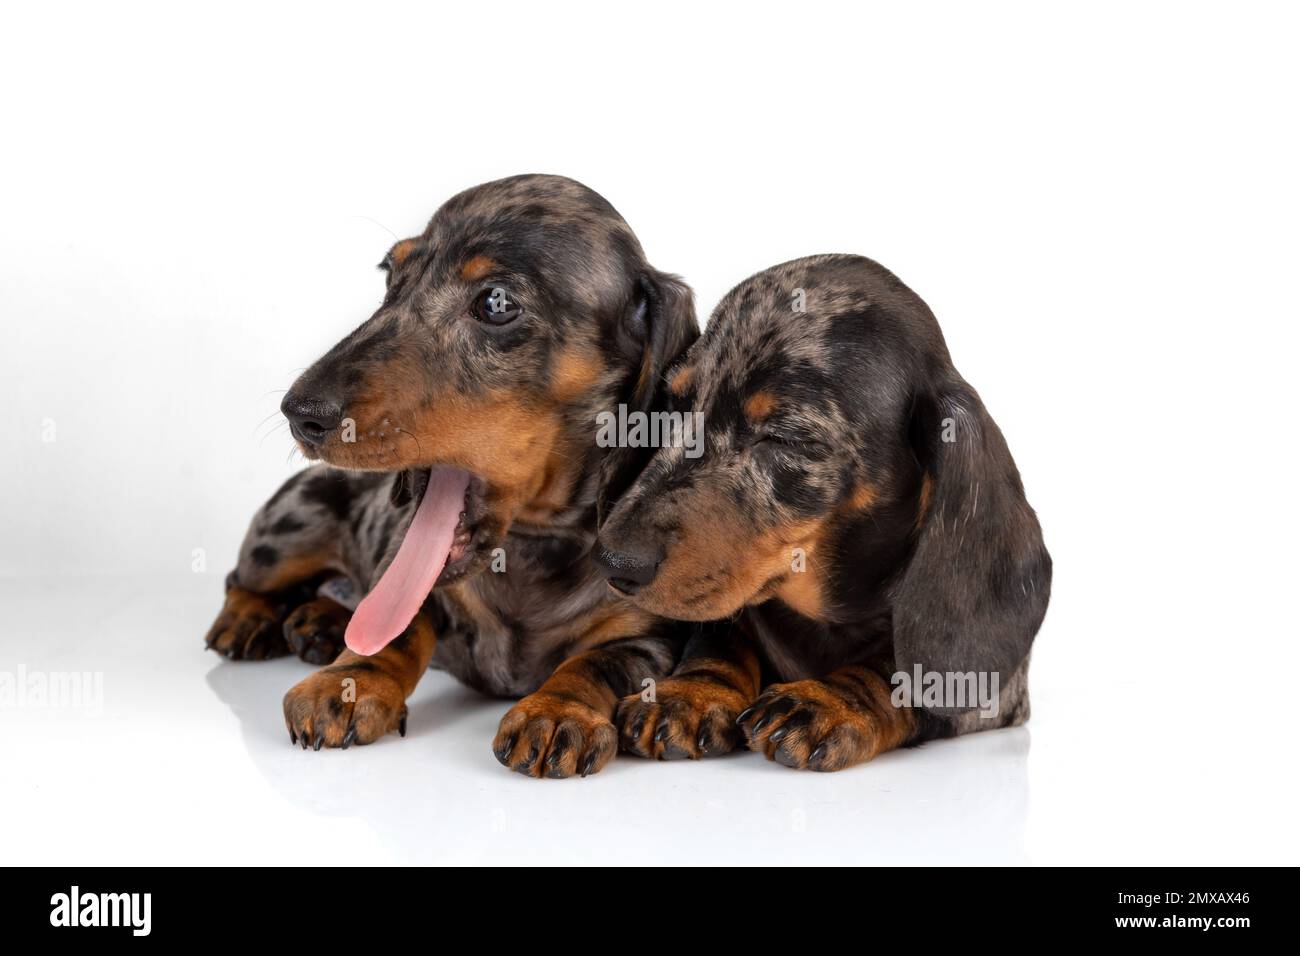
(248,628)
(344,704)
(808,725)
(692,716)
(546,735)
(315,630)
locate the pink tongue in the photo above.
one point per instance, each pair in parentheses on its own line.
(391,605)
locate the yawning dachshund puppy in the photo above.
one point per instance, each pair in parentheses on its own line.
(462,481)
(856,499)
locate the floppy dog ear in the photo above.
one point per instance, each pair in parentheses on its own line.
(656,328)
(975,590)
(662,323)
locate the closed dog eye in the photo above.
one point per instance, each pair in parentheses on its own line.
(794,442)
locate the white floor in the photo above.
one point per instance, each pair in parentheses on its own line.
(185,759)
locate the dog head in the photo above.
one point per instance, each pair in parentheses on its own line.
(523,308)
(846,470)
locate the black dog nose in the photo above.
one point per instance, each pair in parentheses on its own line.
(628,571)
(310,420)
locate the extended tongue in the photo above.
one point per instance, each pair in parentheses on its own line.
(391,605)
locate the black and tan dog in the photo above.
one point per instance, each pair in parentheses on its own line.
(856,499)
(458,429)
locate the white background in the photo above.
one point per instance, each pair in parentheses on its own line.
(1100,204)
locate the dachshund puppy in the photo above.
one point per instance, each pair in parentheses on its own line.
(461,479)
(856,500)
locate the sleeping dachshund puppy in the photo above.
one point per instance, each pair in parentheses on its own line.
(460,482)
(855,525)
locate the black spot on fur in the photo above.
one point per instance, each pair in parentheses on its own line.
(331,492)
(264,556)
(287,525)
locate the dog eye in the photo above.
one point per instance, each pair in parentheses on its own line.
(766,435)
(495,307)
(790,442)
(762,440)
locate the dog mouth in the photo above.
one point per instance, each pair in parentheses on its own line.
(439,546)
(470,535)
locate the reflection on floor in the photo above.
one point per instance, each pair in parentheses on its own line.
(186,759)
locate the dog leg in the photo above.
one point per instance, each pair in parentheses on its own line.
(250,625)
(294,542)
(565,727)
(360,699)
(693,713)
(314,631)
(835,722)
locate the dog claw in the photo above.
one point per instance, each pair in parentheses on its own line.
(503,752)
(350,736)
(785,758)
(674,752)
(527,765)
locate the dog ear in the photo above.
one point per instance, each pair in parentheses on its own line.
(669,312)
(657,327)
(975,590)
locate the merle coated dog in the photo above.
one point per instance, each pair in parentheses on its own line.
(855,500)
(461,480)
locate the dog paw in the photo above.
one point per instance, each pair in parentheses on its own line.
(315,630)
(548,736)
(248,628)
(344,704)
(692,716)
(807,725)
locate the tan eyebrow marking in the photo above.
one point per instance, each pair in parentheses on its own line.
(476,268)
(402,250)
(759,405)
(681,381)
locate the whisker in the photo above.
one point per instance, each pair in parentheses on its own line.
(274,429)
(377,223)
(264,421)
(556,451)
(419,449)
